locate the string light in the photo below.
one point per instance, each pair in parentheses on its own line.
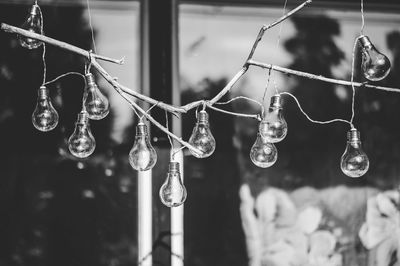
(95,102)
(272,128)
(33,23)
(82,144)
(173,192)
(263,153)
(142,156)
(354,162)
(45,116)
(201,137)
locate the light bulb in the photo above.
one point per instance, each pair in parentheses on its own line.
(142,156)
(354,162)
(263,153)
(82,143)
(33,23)
(273,127)
(95,102)
(375,65)
(44,117)
(173,192)
(201,137)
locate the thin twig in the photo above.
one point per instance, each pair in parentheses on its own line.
(116,84)
(228,86)
(11,29)
(319,77)
(267,27)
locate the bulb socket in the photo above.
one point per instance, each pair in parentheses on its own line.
(202,117)
(353,135)
(276,101)
(83,117)
(173,167)
(141,129)
(35,10)
(90,81)
(43,92)
(365,42)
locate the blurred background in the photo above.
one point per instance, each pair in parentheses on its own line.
(58,210)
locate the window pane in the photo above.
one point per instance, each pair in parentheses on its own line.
(303,210)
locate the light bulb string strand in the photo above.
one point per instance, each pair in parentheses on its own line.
(44,45)
(254,116)
(169,138)
(91,26)
(362,18)
(235,99)
(277,45)
(353,56)
(148,110)
(266,89)
(64,75)
(313,120)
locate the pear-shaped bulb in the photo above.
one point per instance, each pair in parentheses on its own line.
(375,66)
(173,192)
(142,156)
(95,102)
(44,117)
(82,143)
(201,137)
(263,153)
(273,127)
(354,162)
(33,23)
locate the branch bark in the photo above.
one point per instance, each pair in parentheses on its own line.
(11,29)
(267,27)
(319,77)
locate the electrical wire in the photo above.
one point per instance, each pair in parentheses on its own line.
(91,26)
(312,120)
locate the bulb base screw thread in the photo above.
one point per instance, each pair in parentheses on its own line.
(43,92)
(276,101)
(83,117)
(364,41)
(202,117)
(90,79)
(141,129)
(35,10)
(173,167)
(353,135)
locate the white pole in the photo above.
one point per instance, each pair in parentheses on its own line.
(145,227)
(145,191)
(177,247)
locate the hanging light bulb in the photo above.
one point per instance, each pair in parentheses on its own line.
(95,102)
(142,156)
(33,23)
(354,162)
(273,127)
(375,65)
(82,143)
(201,137)
(263,153)
(44,117)
(173,192)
